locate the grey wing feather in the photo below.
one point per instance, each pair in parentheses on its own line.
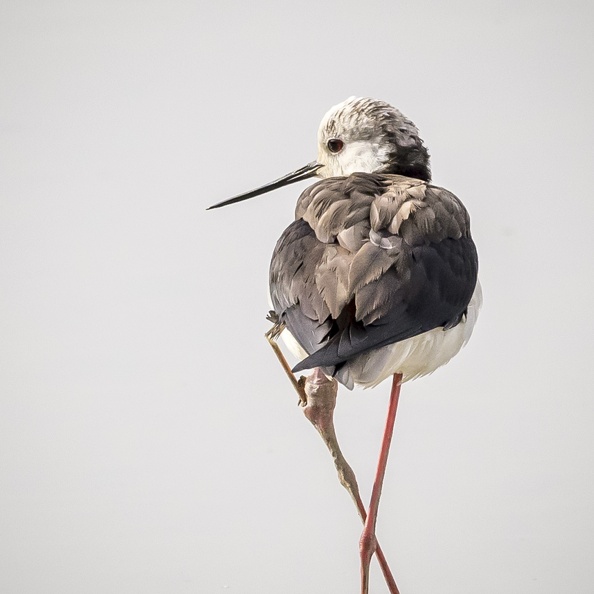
(294,295)
(371,260)
(406,309)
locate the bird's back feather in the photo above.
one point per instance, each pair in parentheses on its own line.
(371,260)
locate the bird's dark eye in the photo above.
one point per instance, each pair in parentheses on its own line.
(335,145)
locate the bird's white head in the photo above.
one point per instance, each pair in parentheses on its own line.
(359,135)
(366,135)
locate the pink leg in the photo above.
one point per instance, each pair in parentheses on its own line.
(317,395)
(368,541)
(320,397)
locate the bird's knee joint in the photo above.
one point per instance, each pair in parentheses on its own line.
(367,544)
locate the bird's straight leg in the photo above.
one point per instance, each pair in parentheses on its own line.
(321,400)
(368,540)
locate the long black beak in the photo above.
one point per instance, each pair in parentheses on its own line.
(305,172)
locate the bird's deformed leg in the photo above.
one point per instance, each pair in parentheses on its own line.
(317,395)
(368,540)
(272,338)
(320,395)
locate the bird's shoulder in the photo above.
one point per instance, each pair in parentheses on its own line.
(371,206)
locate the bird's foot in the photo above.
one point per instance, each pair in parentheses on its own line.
(277,326)
(272,316)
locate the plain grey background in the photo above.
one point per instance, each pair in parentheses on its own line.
(149,441)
